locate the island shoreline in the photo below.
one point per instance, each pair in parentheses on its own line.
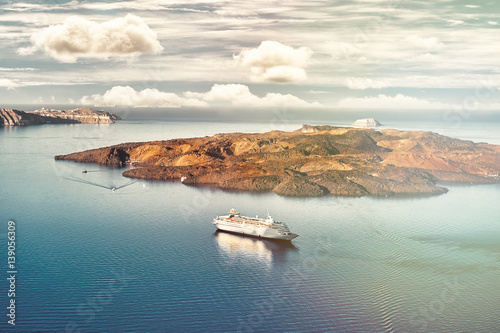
(311,161)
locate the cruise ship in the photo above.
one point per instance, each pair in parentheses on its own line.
(253,226)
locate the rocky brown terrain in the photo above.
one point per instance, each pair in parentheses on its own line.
(312,161)
(10,117)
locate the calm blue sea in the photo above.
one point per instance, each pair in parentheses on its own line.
(146,258)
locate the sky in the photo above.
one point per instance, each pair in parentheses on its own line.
(359,54)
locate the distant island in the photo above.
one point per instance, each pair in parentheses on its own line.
(9,117)
(311,161)
(366,122)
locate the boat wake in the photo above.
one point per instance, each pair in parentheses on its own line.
(88,182)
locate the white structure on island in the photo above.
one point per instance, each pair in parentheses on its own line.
(366,122)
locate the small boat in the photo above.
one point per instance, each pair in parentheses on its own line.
(183,179)
(84,171)
(254,226)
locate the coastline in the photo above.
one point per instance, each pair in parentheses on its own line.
(12,117)
(327,160)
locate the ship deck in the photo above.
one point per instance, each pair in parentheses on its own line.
(245,219)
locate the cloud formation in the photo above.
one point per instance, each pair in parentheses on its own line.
(455,22)
(399,101)
(426,43)
(240,95)
(363,83)
(219,94)
(7,83)
(275,62)
(128,96)
(16,69)
(410,47)
(80,38)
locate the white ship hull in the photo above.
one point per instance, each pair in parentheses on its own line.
(254,227)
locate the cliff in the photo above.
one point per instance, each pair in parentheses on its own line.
(80,115)
(312,161)
(19,118)
(10,117)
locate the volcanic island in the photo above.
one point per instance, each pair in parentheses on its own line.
(311,161)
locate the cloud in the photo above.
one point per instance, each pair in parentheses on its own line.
(240,95)
(365,83)
(219,94)
(363,39)
(7,83)
(399,101)
(120,95)
(275,62)
(318,92)
(427,43)
(16,69)
(80,38)
(455,22)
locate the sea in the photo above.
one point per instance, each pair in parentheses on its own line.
(146,257)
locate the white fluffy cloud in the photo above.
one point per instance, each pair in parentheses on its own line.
(239,94)
(399,101)
(78,37)
(7,83)
(219,94)
(427,43)
(455,22)
(365,83)
(275,62)
(120,95)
